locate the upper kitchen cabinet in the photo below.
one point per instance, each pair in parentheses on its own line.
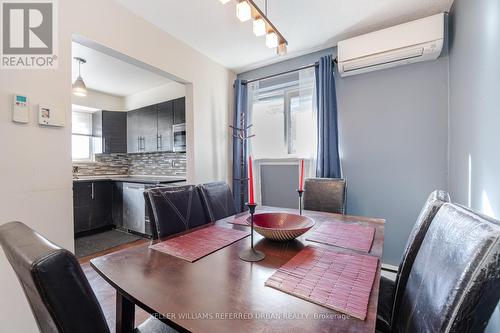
(150,129)
(142,127)
(134,140)
(165,123)
(111,126)
(179,110)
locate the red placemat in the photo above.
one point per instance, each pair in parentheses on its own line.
(199,243)
(335,280)
(240,220)
(349,236)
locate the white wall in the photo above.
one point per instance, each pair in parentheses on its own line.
(166,92)
(35,166)
(99,100)
(102,101)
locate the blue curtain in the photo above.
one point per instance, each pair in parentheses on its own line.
(240,150)
(328,161)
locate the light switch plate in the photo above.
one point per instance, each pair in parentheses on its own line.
(50,116)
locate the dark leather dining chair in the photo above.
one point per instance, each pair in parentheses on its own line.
(454,284)
(390,292)
(57,290)
(218,200)
(175,209)
(325,195)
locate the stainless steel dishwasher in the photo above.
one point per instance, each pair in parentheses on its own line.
(134,209)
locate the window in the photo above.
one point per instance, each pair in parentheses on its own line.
(283,117)
(82,141)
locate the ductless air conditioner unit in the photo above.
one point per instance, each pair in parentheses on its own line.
(406,43)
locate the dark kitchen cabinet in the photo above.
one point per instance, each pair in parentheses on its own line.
(114,132)
(82,201)
(117,205)
(179,110)
(134,139)
(149,129)
(165,122)
(142,127)
(111,126)
(101,205)
(92,205)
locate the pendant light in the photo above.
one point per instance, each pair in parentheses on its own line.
(262,26)
(79,88)
(243,11)
(259,27)
(272,40)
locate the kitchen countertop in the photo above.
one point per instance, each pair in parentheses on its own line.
(132,179)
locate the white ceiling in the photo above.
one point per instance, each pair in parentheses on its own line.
(308,25)
(112,76)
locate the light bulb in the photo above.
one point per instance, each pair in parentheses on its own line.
(259,27)
(243,11)
(272,40)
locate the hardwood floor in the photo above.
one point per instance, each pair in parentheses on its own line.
(106,295)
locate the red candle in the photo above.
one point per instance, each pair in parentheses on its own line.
(301,180)
(251,199)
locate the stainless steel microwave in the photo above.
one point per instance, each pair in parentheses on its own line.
(179,131)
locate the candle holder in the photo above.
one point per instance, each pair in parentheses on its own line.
(300,192)
(251,254)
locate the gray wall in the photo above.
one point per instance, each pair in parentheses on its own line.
(393,141)
(475,108)
(393,130)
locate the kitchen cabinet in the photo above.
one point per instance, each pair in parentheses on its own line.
(111,127)
(117,205)
(148,125)
(179,110)
(149,129)
(101,205)
(134,139)
(92,203)
(165,123)
(142,128)
(82,199)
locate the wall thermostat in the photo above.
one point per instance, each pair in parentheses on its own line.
(49,116)
(20,109)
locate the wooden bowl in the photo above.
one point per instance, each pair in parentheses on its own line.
(281,226)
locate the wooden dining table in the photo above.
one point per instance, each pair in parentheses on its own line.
(221,293)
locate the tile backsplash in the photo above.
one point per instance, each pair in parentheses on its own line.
(155,164)
(158,164)
(109,164)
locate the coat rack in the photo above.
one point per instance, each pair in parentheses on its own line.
(241,133)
